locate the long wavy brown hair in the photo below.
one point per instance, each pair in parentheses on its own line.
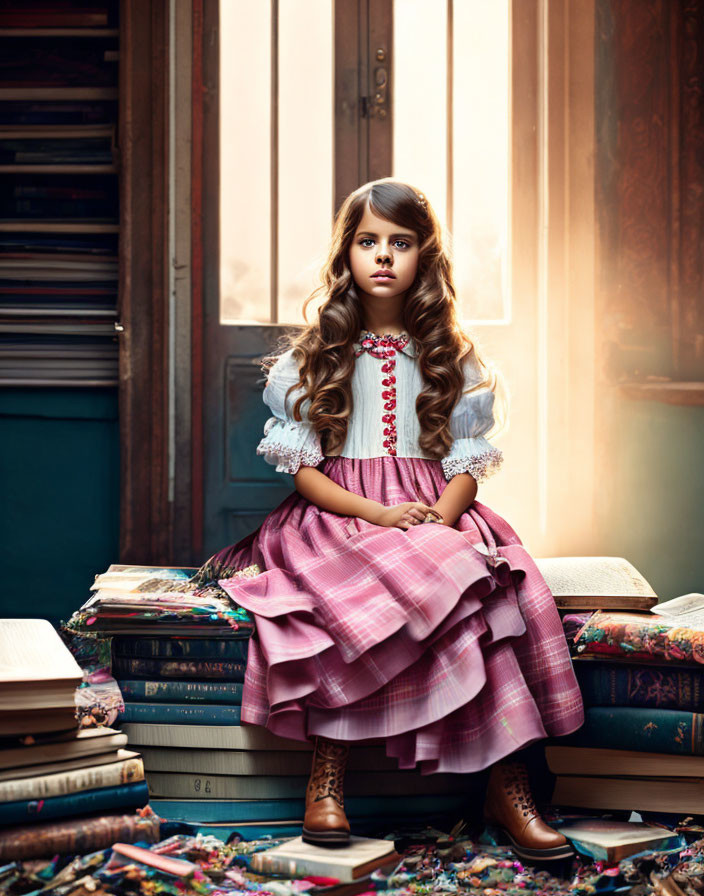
(324,349)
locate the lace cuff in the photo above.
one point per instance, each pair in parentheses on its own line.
(289,445)
(476,456)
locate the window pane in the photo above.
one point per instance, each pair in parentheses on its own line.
(306,81)
(480,157)
(245,160)
(480,129)
(420,98)
(304,159)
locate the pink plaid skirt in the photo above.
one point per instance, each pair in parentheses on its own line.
(445,642)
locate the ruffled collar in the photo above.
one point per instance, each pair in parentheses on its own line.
(401,342)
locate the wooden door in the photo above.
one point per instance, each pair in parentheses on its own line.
(417,91)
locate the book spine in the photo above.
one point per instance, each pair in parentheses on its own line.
(76,836)
(110,775)
(619,684)
(182,714)
(87,802)
(216,811)
(182,648)
(228,693)
(139,667)
(640,728)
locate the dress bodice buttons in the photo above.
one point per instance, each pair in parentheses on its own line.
(385,348)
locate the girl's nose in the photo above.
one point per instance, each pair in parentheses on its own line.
(383,255)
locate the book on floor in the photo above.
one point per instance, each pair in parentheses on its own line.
(610,841)
(76,836)
(592,583)
(298,859)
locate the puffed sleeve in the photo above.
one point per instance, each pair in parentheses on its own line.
(471,452)
(287,443)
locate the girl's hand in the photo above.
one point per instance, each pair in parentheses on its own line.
(406,515)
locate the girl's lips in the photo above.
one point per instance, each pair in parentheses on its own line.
(383,276)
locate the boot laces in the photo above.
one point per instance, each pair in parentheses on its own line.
(519,789)
(328,773)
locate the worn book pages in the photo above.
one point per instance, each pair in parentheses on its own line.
(688,609)
(596,583)
(610,840)
(297,858)
(32,653)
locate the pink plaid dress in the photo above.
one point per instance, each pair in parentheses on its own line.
(443,641)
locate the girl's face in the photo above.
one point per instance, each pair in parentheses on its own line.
(382,246)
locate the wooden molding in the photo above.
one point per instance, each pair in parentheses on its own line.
(145,530)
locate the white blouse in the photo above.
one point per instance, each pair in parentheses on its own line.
(384,420)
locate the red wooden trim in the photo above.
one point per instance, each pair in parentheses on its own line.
(197,283)
(145,531)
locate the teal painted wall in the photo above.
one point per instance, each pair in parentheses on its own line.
(651,491)
(59,481)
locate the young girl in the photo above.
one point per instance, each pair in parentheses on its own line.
(393,605)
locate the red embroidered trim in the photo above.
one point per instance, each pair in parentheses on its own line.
(385,347)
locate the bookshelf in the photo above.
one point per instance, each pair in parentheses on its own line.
(59,193)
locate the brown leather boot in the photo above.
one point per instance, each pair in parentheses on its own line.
(509,804)
(325,822)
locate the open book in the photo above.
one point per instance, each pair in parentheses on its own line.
(596,583)
(686,610)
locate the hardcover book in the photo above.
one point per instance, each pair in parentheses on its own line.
(596,583)
(298,859)
(75,835)
(636,728)
(678,795)
(610,841)
(628,684)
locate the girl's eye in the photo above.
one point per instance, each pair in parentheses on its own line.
(368,239)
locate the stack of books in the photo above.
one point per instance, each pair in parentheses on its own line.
(243,778)
(179,649)
(51,771)
(179,652)
(639,666)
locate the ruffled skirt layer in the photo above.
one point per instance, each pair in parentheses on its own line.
(443,641)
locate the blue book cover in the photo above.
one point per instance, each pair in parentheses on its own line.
(228,693)
(182,648)
(223,811)
(630,684)
(86,802)
(181,714)
(154,668)
(641,728)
